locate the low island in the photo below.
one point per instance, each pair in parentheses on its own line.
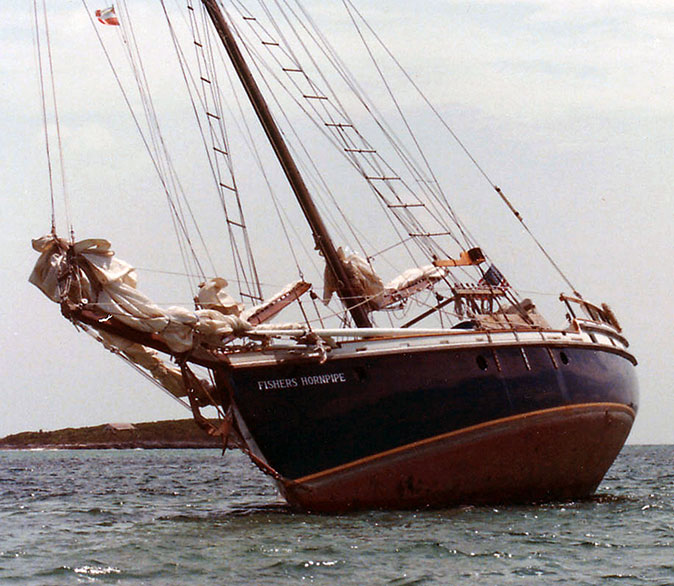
(176,434)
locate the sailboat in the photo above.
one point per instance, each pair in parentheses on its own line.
(440,386)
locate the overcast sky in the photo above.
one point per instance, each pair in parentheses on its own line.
(567,104)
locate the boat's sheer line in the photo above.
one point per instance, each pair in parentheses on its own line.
(505,370)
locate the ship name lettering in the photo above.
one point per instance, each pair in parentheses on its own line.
(277,383)
(304,381)
(323,379)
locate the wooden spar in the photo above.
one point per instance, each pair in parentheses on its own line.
(345,288)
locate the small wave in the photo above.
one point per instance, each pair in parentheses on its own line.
(482,554)
(85,570)
(96,570)
(427,550)
(263,507)
(59,571)
(234,512)
(409,581)
(532,571)
(610,499)
(301,567)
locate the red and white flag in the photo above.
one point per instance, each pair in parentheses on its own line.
(107,16)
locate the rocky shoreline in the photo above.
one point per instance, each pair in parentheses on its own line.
(177,434)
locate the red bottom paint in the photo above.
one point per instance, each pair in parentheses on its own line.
(555,454)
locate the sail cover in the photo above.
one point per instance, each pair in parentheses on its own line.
(371,287)
(363,278)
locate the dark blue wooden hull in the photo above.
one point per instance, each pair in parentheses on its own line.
(308,418)
(389,401)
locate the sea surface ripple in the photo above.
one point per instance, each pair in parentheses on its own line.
(194,517)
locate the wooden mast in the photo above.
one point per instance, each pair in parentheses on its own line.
(345,288)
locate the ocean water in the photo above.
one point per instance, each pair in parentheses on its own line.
(195,517)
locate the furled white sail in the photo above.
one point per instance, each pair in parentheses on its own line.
(363,278)
(371,286)
(88,273)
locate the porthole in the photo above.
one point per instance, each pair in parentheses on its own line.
(564,358)
(481,362)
